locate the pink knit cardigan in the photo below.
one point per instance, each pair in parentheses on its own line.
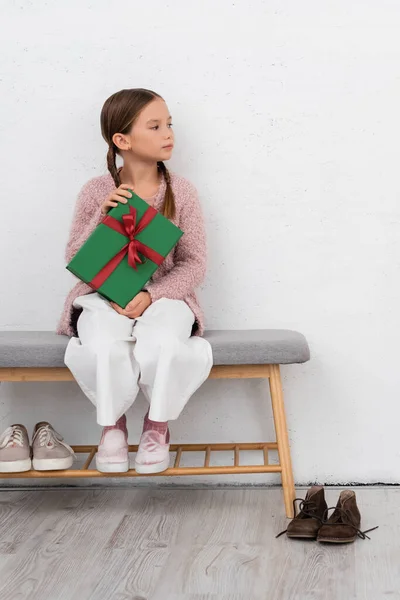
(183,269)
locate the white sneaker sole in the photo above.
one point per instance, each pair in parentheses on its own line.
(122,467)
(152,468)
(52,464)
(15,466)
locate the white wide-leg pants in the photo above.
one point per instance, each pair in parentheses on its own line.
(115,356)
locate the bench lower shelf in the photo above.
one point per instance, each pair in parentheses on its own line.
(176,469)
(271,372)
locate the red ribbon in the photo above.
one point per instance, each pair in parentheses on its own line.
(130,229)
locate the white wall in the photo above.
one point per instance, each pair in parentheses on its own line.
(286,115)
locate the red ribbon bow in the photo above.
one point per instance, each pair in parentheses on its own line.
(130,229)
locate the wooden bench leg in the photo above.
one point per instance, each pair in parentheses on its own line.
(282,438)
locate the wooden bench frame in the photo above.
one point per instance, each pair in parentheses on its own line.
(270,372)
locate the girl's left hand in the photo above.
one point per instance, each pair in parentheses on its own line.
(136,306)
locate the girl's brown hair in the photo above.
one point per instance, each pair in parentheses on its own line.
(118,114)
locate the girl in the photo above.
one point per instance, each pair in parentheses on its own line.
(155,343)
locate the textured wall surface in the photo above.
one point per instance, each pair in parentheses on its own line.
(286,117)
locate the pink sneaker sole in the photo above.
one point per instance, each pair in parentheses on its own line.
(152,468)
(109,467)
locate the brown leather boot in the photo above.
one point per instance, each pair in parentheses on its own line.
(309,519)
(343,526)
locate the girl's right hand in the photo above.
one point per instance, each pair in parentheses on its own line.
(118,195)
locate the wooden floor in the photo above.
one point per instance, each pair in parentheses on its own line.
(187,544)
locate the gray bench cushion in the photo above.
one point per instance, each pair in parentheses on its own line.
(240,347)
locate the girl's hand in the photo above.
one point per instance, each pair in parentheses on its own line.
(136,306)
(118,195)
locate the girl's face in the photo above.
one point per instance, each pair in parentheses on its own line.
(151,137)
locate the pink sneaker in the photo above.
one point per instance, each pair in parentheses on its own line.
(153,452)
(112,454)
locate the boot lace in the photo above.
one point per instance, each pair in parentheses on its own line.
(306,507)
(342,516)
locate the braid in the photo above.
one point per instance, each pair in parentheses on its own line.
(168,209)
(111,164)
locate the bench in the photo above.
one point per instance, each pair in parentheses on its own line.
(39,356)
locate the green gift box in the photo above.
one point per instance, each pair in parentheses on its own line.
(125,250)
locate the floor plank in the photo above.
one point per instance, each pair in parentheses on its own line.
(187,544)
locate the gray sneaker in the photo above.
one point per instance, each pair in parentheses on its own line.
(50,452)
(15,452)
